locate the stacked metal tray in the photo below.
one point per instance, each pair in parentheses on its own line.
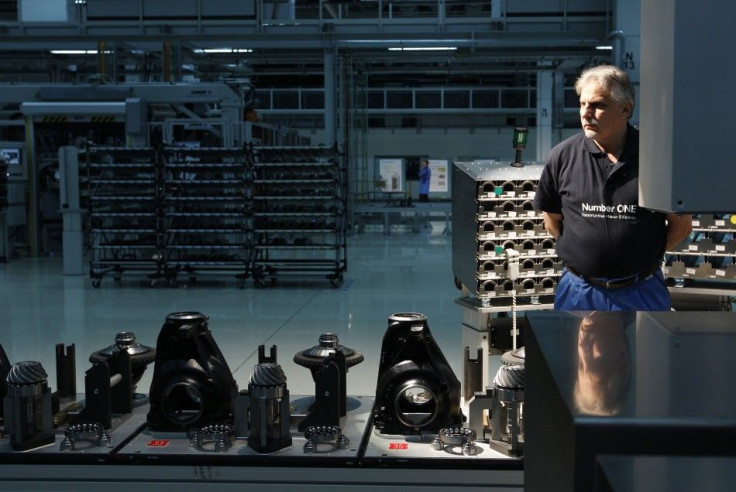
(492,213)
(709,254)
(206,211)
(123,200)
(299,201)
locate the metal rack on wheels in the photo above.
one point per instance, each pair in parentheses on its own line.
(206,212)
(123,199)
(299,209)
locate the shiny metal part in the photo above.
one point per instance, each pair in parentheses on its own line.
(325,439)
(93,434)
(478,406)
(215,437)
(62,415)
(416,390)
(27,406)
(507,405)
(509,377)
(328,345)
(267,407)
(451,438)
(192,384)
(140,355)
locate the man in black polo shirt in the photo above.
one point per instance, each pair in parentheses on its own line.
(588,192)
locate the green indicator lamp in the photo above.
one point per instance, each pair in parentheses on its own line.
(520,134)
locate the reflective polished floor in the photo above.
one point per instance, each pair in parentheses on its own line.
(403,272)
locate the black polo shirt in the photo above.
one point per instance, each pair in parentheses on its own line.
(605,232)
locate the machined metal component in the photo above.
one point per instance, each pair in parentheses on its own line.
(140,355)
(215,437)
(268,405)
(325,439)
(62,416)
(192,385)
(66,379)
(328,345)
(507,405)
(450,438)
(478,407)
(472,372)
(108,389)
(416,390)
(330,399)
(509,377)
(92,433)
(316,359)
(27,406)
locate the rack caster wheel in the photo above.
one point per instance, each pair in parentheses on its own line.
(336,282)
(153,283)
(96,283)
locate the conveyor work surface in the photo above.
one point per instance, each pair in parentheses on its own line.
(145,456)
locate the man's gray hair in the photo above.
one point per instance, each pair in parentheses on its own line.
(611,79)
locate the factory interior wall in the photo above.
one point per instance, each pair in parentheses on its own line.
(450,143)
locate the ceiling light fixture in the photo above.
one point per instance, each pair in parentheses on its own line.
(77,52)
(210,51)
(605,47)
(423,48)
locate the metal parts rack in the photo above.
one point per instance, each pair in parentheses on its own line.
(299,199)
(492,213)
(124,199)
(502,257)
(701,271)
(206,212)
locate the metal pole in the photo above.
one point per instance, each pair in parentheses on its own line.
(32,226)
(329,71)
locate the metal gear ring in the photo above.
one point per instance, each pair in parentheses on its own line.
(329,436)
(451,437)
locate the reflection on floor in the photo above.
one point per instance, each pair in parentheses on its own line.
(386,274)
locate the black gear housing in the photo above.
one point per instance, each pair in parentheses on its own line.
(416,391)
(192,384)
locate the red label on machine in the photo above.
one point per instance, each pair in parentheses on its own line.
(398,445)
(158,443)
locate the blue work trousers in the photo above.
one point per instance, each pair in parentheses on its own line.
(575,294)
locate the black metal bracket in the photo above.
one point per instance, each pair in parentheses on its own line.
(329,393)
(108,390)
(66,378)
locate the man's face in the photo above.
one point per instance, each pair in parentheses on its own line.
(602,346)
(601,118)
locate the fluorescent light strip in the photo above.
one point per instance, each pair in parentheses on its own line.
(604,48)
(77,52)
(210,51)
(423,48)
